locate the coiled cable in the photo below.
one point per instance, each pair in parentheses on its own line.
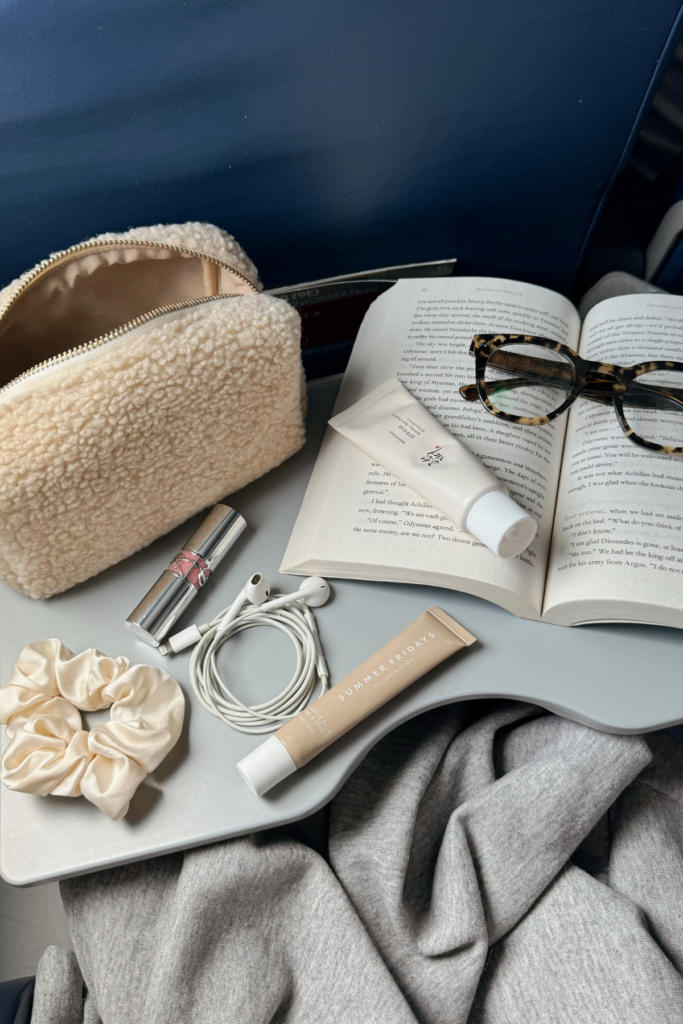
(297,622)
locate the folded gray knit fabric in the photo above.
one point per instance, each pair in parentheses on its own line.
(487,863)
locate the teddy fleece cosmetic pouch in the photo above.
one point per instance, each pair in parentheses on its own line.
(142,378)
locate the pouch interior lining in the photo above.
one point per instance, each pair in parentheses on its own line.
(97,291)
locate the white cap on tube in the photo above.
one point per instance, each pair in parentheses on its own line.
(499,523)
(265,766)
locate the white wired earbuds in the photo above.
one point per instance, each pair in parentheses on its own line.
(291,613)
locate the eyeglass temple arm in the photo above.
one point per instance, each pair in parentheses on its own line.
(653,396)
(533,370)
(645,396)
(470,393)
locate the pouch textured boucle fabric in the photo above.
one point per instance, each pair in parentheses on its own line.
(105,451)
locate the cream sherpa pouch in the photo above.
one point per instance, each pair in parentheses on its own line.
(142,378)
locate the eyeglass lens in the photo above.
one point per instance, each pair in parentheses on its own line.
(528,380)
(653,407)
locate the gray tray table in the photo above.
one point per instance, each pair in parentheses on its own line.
(622,679)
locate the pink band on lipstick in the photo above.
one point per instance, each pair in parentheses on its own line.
(192,567)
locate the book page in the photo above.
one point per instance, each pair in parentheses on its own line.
(357,512)
(617,549)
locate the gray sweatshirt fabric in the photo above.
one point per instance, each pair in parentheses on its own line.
(487,863)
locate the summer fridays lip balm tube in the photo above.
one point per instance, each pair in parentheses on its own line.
(396,430)
(428,641)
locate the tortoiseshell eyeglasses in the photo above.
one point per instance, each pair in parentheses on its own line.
(532,380)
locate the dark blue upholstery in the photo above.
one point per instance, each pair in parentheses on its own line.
(16,1000)
(326,137)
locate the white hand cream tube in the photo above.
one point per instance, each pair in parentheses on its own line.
(392,427)
(428,641)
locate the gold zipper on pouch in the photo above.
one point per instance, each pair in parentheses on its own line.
(88,346)
(138,321)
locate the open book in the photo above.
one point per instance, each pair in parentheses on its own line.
(610,540)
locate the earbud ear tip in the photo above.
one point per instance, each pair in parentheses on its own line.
(257,589)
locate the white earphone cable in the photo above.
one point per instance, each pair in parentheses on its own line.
(297,622)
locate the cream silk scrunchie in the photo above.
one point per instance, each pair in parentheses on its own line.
(50,752)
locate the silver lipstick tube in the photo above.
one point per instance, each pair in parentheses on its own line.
(188,572)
